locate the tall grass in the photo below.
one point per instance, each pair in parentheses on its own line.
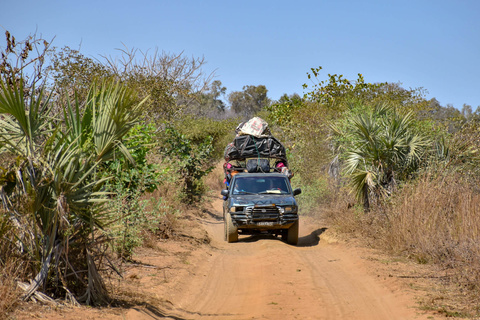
(438,220)
(434,220)
(9,293)
(11,268)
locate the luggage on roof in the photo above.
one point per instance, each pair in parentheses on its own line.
(254,149)
(256,127)
(248,146)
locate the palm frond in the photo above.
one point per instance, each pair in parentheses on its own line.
(115,111)
(24,119)
(384,144)
(362,181)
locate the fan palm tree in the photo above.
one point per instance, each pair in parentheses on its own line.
(55,173)
(383,149)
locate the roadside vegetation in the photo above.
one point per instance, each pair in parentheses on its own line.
(98,155)
(93,157)
(400,172)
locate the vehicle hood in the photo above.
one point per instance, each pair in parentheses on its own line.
(266,199)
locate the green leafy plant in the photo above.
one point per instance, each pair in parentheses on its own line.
(131,215)
(129,183)
(139,174)
(57,199)
(191,161)
(380,147)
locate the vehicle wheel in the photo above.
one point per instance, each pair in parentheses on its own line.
(224,227)
(231,232)
(292,234)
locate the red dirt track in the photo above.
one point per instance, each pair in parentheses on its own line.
(265,278)
(257,278)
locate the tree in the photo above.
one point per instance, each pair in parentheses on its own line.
(209,103)
(282,111)
(337,92)
(467,111)
(70,70)
(285,98)
(380,147)
(16,63)
(59,231)
(249,101)
(172,81)
(448,117)
(215,93)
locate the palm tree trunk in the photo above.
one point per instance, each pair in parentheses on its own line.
(366,200)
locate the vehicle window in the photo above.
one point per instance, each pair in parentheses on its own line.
(251,185)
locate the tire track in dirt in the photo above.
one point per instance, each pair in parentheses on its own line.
(264,278)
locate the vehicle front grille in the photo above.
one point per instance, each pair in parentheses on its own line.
(254,216)
(262,213)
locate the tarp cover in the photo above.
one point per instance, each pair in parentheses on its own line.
(247,146)
(256,127)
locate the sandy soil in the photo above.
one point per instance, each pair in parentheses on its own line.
(256,278)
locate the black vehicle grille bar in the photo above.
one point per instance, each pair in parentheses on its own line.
(254,214)
(262,213)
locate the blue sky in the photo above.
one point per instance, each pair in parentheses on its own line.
(429,44)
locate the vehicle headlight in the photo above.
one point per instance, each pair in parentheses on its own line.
(236,209)
(288,209)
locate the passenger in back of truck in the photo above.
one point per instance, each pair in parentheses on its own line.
(282,168)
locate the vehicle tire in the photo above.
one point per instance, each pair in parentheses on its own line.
(231,232)
(224,226)
(292,234)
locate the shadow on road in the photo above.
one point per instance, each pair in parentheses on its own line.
(148,311)
(257,237)
(152,312)
(312,239)
(213,214)
(145,311)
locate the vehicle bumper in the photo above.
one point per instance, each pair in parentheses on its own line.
(267,217)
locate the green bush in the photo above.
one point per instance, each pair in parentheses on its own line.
(57,201)
(128,183)
(131,216)
(192,161)
(139,175)
(199,129)
(314,194)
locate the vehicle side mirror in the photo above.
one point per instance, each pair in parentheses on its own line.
(224,192)
(297,191)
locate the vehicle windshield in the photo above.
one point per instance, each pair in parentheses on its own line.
(259,185)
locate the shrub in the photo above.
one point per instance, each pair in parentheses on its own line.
(56,198)
(192,161)
(380,148)
(132,215)
(199,129)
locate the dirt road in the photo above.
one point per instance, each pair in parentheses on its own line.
(264,278)
(256,278)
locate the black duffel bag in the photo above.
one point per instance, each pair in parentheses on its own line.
(258,165)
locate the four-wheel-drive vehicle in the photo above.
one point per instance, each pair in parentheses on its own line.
(258,203)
